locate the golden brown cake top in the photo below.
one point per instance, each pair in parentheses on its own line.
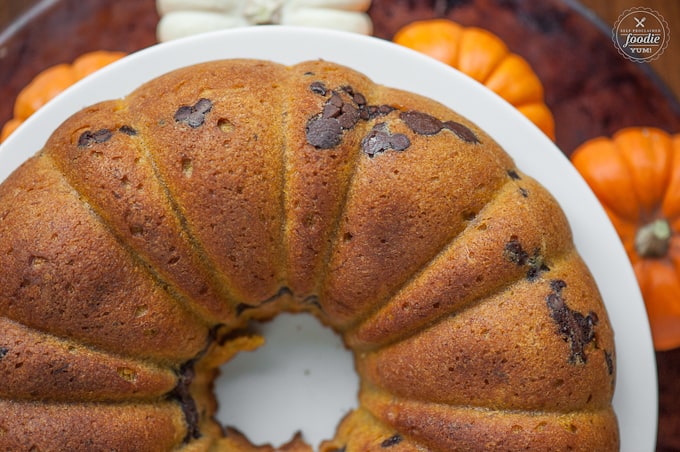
(152,228)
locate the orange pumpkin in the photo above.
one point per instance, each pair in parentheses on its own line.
(636,176)
(483,56)
(53,81)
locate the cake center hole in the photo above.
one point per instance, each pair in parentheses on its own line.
(302,379)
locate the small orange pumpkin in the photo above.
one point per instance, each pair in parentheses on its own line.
(483,56)
(636,176)
(53,81)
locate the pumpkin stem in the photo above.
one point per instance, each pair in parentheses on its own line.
(653,239)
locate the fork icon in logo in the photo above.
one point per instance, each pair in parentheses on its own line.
(640,22)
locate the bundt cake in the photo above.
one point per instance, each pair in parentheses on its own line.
(140,242)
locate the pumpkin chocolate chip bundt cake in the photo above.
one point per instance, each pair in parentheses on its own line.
(138,244)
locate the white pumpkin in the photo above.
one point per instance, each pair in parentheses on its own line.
(181,18)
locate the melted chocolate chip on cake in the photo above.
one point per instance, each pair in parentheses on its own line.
(88,137)
(127,130)
(391,441)
(574,327)
(425,124)
(379,140)
(515,253)
(194,115)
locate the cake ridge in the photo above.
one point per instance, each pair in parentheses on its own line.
(488,217)
(394,189)
(107,425)
(418,272)
(285,146)
(130,372)
(171,289)
(358,129)
(211,158)
(217,279)
(59,152)
(467,304)
(378,392)
(91,212)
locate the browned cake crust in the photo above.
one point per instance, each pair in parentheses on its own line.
(149,230)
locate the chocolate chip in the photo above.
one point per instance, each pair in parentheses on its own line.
(513,174)
(348,89)
(203,105)
(421,123)
(399,142)
(183,113)
(3,352)
(88,137)
(359,99)
(523,192)
(336,100)
(574,327)
(324,133)
(385,109)
(536,268)
(330,111)
(182,394)
(375,142)
(514,252)
(346,114)
(374,111)
(379,140)
(555,302)
(196,121)
(127,130)
(102,135)
(194,115)
(461,131)
(610,362)
(348,117)
(392,441)
(557,285)
(318,88)
(425,124)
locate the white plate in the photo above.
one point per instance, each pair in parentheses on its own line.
(635,399)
